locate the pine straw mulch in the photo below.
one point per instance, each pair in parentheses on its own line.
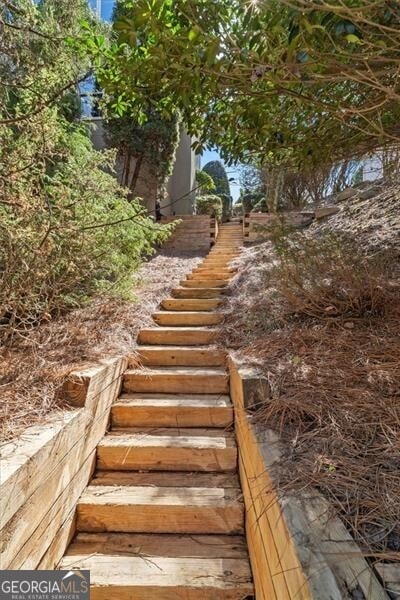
(33,368)
(335,388)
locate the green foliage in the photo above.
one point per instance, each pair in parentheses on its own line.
(216,170)
(209,205)
(205,182)
(237,209)
(152,142)
(67,230)
(293,82)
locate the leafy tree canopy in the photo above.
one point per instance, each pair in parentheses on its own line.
(154,141)
(216,170)
(278,81)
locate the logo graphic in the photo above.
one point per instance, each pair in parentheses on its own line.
(44,585)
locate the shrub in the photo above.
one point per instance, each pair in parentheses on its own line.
(76,235)
(329,277)
(67,230)
(209,205)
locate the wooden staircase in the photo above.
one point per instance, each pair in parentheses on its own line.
(163,516)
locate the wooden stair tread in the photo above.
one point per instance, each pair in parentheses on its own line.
(197,293)
(195,400)
(204,283)
(180,336)
(176,379)
(168,449)
(164,578)
(184,313)
(169,410)
(153,545)
(185,318)
(166,479)
(152,509)
(181,304)
(181,356)
(167,437)
(182,371)
(159,495)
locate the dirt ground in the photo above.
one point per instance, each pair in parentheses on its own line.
(34,368)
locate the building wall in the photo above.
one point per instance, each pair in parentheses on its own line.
(180,199)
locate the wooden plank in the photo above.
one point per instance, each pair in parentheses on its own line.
(204,283)
(259,498)
(180,336)
(191,304)
(166,479)
(22,461)
(277,569)
(257,533)
(172,451)
(197,293)
(125,578)
(61,541)
(162,410)
(390,575)
(180,356)
(88,433)
(187,318)
(54,464)
(82,388)
(177,380)
(31,553)
(150,509)
(152,546)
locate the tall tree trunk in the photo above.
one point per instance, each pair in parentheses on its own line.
(135,175)
(275,179)
(126,168)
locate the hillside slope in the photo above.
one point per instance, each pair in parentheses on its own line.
(320,316)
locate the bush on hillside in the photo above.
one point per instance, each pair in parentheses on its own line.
(76,236)
(67,230)
(328,277)
(209,205)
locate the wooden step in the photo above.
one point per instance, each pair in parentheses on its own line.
(181,356)
(197,292)
(177,380)
(210,275)
(148,509)
(167,449)
(162,567)
(166,410)
(204,283)
(187,318)
(215,272)
(217,260)
(205,304)
(178,336)
(225,252)
(166,479)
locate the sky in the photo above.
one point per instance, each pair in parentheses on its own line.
(106,8)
